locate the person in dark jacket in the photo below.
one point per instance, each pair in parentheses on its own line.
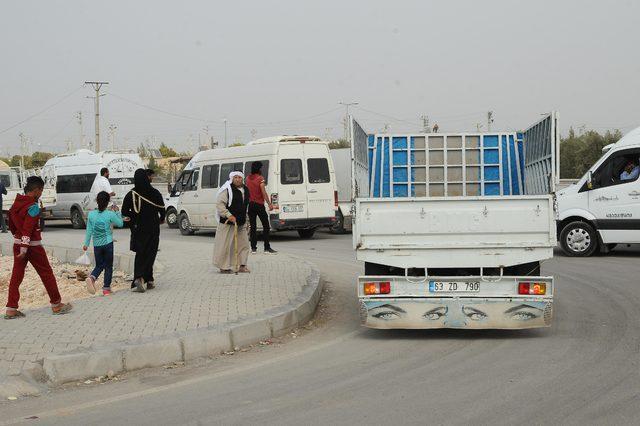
(144,207)
(231,246)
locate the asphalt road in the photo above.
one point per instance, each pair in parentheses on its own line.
(584,369)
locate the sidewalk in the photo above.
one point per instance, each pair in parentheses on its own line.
(190,295)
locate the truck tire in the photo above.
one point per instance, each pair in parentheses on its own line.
(185,224)
(578,239)
(306,234)
(77,221)
(172,218)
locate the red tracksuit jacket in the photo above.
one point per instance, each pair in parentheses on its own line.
(24,221)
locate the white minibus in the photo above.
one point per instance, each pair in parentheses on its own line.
(298,171)
(75,173)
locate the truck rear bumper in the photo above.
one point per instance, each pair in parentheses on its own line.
(456,312)
(278,224)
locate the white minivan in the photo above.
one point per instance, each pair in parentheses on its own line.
(75,173)
(602,209)
(298,172)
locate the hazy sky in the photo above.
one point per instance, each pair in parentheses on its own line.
(281,67)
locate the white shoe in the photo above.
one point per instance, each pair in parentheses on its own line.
(91,284)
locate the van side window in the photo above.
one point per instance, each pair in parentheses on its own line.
(291,171)
(70,184)
(192,183)
(210,176)
(620,168)
(227,168)
(265,169)
(318,169)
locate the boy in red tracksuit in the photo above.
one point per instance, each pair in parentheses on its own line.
(24,223)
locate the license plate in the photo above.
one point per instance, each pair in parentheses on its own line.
(293,208)
(454,286)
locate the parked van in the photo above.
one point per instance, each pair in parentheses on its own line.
(14,178)
(171,200)
(602,209)
(75,173)
(298,172)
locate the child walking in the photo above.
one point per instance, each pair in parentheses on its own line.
(99,228)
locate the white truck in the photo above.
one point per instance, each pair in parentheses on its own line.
(602,209)
(457,261)
(342,165)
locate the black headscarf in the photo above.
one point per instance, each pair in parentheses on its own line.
(142,186)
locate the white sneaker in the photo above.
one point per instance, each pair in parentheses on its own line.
(91,284)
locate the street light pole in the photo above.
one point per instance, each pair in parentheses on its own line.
(225,132)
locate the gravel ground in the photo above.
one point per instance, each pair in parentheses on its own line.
(33,293)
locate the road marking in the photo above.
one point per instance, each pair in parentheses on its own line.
(70,410)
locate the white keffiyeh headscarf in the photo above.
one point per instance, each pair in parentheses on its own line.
(227,187)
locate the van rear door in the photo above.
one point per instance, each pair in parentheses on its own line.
(292,189)
(320,181)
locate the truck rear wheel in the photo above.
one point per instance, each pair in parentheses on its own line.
(306,234)
(172,218)
(578,239)
(77,221)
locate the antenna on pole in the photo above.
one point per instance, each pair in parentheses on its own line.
(346,117)
(489,120)
(97,85)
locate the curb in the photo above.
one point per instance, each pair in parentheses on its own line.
(107,360)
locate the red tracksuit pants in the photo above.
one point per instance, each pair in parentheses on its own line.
(38,259)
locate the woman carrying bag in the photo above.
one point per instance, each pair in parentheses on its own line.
(144,206)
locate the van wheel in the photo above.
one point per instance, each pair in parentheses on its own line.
(184,224)
(306,234)
(338,226)
(578,239)
(172,218)
(77,221)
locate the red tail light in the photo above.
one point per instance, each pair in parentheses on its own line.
(377,288)
(335,199)
(532,288)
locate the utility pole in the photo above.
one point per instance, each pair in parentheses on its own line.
(346,117)
(79,117)
(23,147)
(97,85)
(425,124)
(225,132)
(112,135)
(489,120)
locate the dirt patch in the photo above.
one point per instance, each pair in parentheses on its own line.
(33,293)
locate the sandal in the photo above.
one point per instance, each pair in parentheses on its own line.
(244,270)
(61,308)
(15,314)
(226,271)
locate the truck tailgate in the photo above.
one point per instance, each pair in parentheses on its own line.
(455,231)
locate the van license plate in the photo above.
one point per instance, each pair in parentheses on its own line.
(293,208)
(454,286)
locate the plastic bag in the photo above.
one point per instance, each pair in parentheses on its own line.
(84,259)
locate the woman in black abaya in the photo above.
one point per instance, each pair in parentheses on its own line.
(144,206)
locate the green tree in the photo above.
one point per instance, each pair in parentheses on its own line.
(38,159)
(579,152)
(167,152)
(153,165)
(236,144)
(340,143)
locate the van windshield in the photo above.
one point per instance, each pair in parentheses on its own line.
(318,170)
(5,180)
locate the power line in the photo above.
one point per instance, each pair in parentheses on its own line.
(41,112)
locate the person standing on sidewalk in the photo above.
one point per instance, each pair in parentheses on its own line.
(99,228)
(144,207)
(257,198)
(24,223)
(231,246)
(3,191)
